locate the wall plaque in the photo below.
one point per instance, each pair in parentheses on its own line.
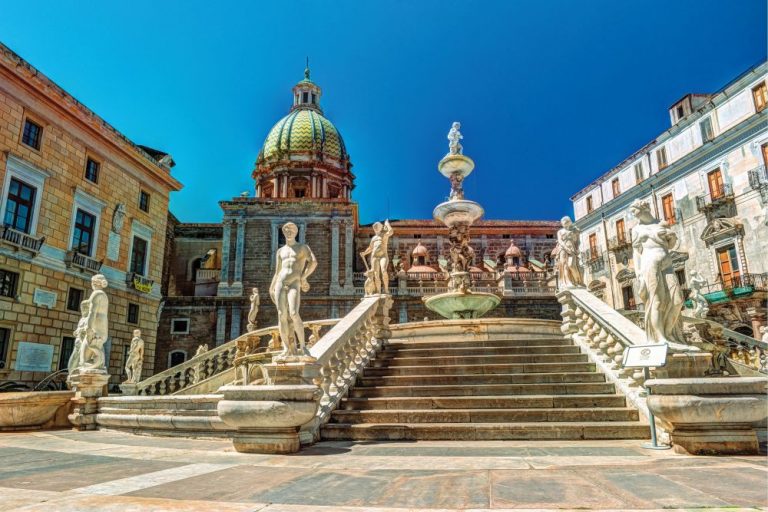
(645,356)
(44,298)
(33,357)
(113,246)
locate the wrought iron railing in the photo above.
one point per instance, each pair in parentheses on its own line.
(139,282)
(20,240)
(744,283)
(619,243)
(719,195)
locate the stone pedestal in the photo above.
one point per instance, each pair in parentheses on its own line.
(268,417)
(88,386)
(129,388)
(710,416)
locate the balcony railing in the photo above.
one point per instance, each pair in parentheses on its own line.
(207,274)
(735,287)
(139,282)
(758,180)
(20,240)
(714,198)
(619,243)
(82,262)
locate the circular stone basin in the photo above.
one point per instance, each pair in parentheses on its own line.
(458,211)
(456,305)
(455,164)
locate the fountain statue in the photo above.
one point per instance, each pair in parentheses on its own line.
(135,361)
(566,254)
(377,280)
(458,214)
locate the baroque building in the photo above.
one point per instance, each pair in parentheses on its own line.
(706,177)
(303,173)
(77,198)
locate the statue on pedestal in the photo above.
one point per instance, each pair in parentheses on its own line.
(658,286)
(135,361)
(566,255)
(294,263)
(96,327)
(379,251)
(74,358)
(700,304)
(254,311)
(454,136)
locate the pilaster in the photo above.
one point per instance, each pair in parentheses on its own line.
(225,242)
(349,243)
(234,329)
(239,250)
(334,286)
(221,325)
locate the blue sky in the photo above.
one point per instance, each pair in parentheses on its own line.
(550,93)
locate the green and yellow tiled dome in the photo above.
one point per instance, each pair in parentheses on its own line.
(303,130)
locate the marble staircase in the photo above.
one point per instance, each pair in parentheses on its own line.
(524,386)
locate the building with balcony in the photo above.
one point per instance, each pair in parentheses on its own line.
(706,177)
(76,198)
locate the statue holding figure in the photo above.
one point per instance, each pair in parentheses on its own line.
(457,190)
(658,287)
(96,327)
(135,361)
(454,138)
(700,304)
(379,251)
(74,358)
(566,255)
(253,311)
(294,263)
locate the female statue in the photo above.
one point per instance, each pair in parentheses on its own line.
(566,254)
(658,287)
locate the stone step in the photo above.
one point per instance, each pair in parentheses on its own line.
(161,402)
(485,415)
(442,360)
(510,350)
(159,412)
(480,369)
(517,342)
(471,380)
(485,431)
(483,402)
(570,388)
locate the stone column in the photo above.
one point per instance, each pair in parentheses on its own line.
(225,241)
(239,253)
(349,250)
(302,232)
(273,240)
(234,329)
(334,288)
(221,325)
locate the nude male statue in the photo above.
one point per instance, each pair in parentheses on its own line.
(294,263)
(96,327)
(378,249)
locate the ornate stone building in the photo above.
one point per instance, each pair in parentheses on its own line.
(76,198)
(303,173)
(706,177)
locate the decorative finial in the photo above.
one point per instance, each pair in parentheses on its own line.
(306,70)
(454,136)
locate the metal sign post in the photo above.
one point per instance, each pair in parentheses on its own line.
(645,357)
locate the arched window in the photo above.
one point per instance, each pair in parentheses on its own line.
(194,267)
(176,357)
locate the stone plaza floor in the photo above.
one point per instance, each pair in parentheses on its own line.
(62,471)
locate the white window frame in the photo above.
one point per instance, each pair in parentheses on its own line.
(89,204)
(31,175)
(173,320)
(144,232)
(177,351)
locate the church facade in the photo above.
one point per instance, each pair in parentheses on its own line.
(303,174)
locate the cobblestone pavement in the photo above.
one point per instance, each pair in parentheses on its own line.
(65,471)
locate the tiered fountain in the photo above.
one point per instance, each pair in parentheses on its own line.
(458,214)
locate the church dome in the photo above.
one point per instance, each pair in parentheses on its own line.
(303,132)
(513,250)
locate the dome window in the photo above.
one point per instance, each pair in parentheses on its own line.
(305,97)
(314,99)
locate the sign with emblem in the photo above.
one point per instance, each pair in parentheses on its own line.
(645,356)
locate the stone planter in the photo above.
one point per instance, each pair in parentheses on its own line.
(710,416)
(268,418)
(34,409)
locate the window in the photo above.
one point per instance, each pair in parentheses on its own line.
(589,204)
(728,263)
(314,98)
(180,326)
(92,170)
(639,172)
(764,148)
(668,205)
(138,256)
(707,134)
(715,182)
(176,358)
(760,95)
(661,158)
(133,313)
(505,236)
(593,245)
(9,283)
(32,135)
(305,97)
(628,297)
(621,235)
(5,342)
(19,207)
(299,192)
(615,187)
(67,345)
(680,112)
(82,237)
(74,298)
(144,201)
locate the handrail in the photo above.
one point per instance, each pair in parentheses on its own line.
(217,359)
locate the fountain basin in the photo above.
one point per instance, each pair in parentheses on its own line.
(457,305)
(455,164)
(458,211)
